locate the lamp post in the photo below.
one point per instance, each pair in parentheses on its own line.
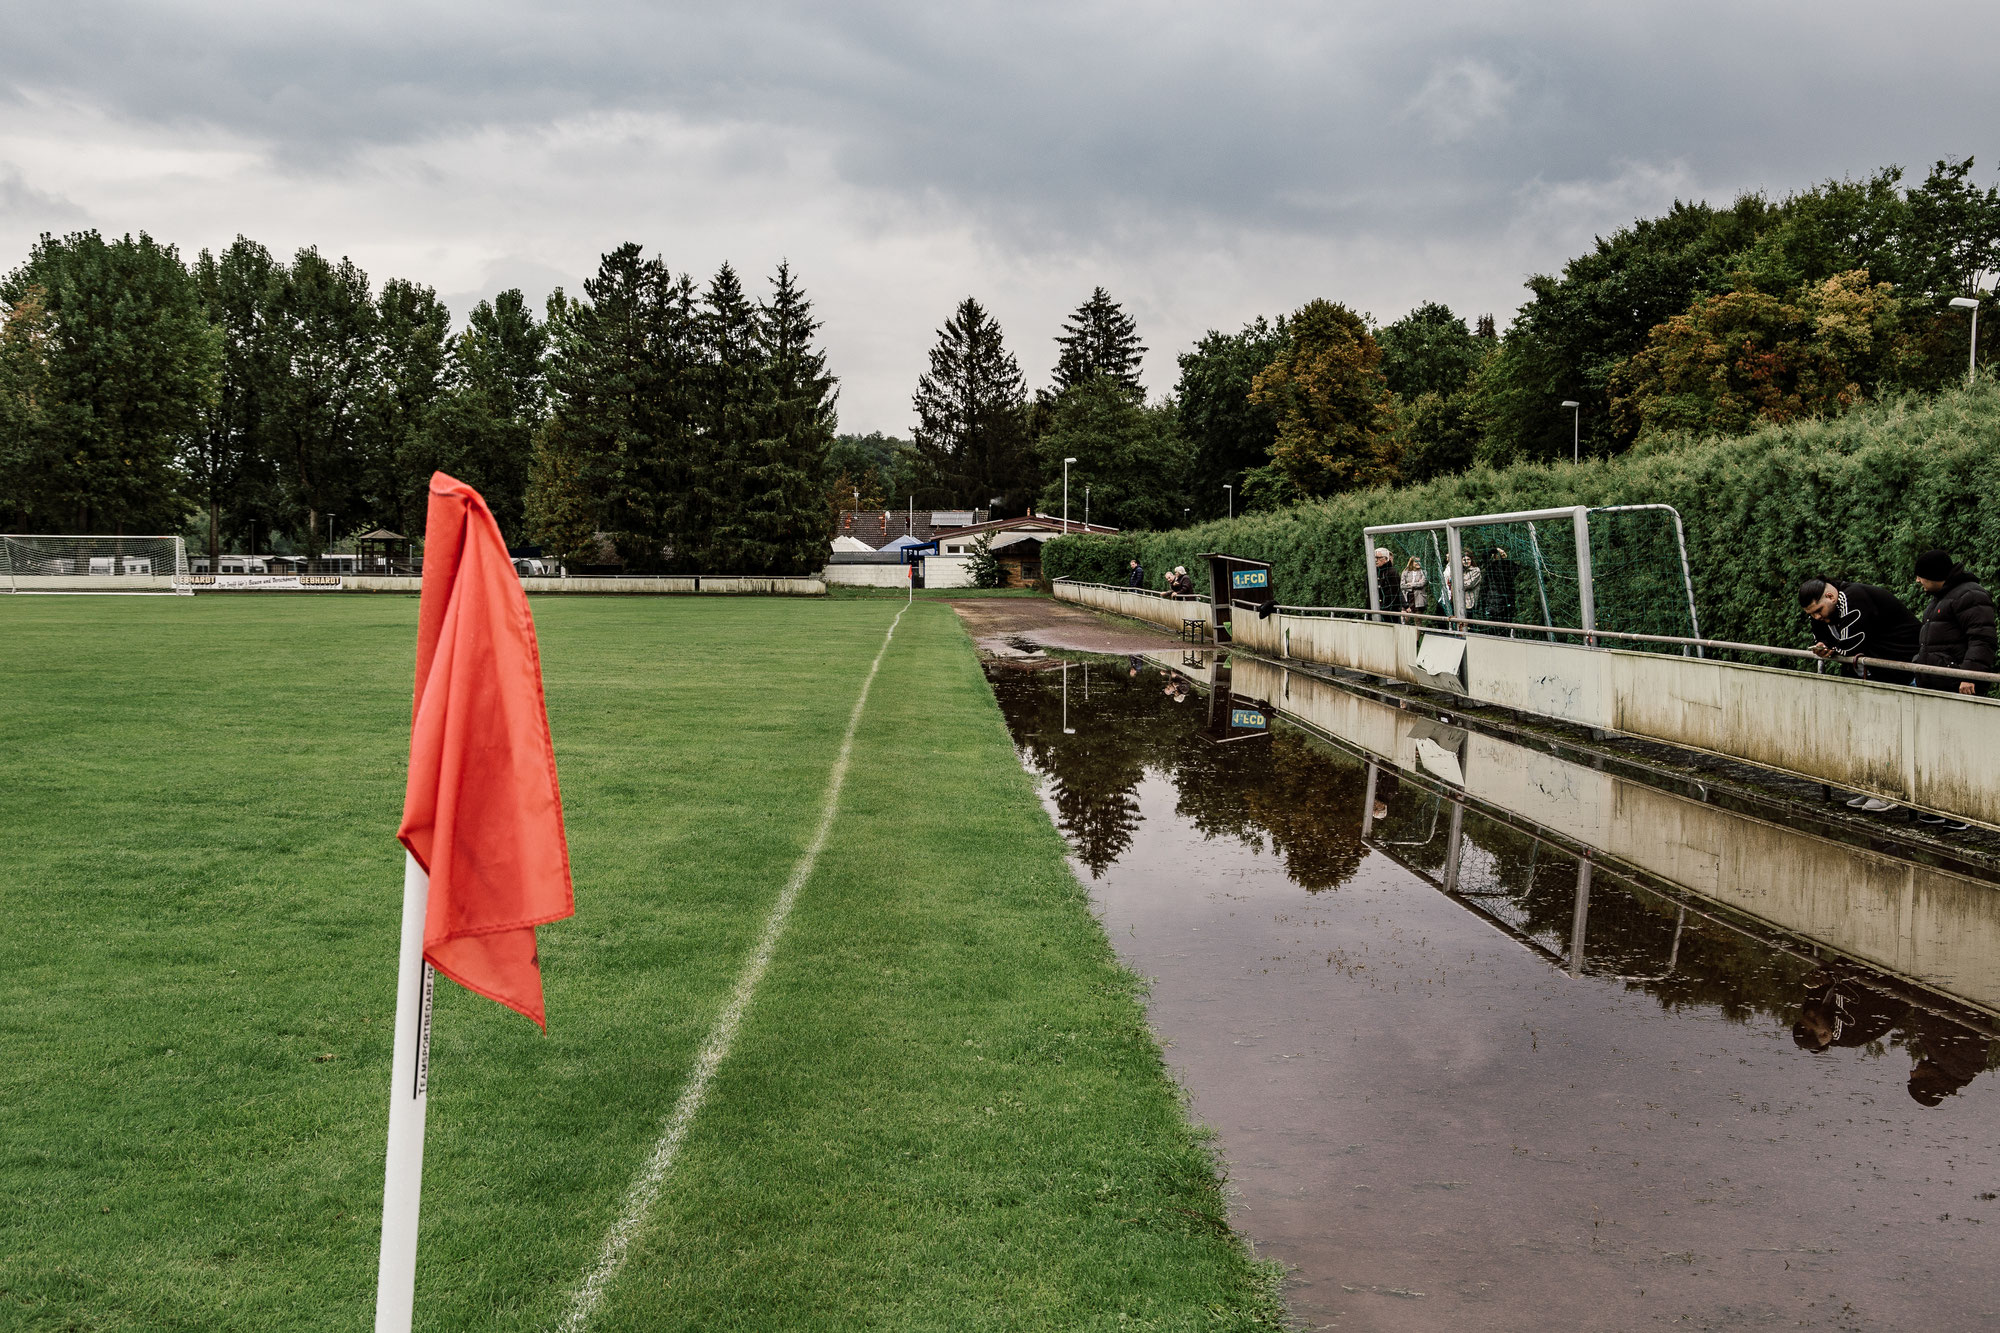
(1972,358)
(1232,498)
(1066,463)
(1067,729)
(1086,506)
(1575,429)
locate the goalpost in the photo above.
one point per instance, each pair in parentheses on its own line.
(90,564)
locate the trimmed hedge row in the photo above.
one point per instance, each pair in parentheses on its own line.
(1856,496)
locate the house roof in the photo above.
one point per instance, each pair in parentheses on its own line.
(1036,521)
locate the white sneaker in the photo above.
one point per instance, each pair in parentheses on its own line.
(1857,802)
(1874,805)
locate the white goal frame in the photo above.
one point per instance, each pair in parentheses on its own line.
(93,564)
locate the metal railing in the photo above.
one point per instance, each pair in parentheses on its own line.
(1590,637)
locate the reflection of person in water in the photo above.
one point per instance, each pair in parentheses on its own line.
(1947,1057)
(1838,1012)
(1133,663)
(1387,783)
(1177,688)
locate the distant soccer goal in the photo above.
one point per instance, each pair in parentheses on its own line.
(1622,568)
(73,564)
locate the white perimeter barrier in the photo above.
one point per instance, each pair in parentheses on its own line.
(1926,749)
(1160,608)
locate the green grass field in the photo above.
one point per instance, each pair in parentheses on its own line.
(943,1109)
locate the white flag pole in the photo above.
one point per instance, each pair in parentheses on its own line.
(402,1190)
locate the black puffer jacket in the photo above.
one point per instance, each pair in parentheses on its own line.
(1957,629)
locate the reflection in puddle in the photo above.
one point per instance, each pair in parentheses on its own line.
(1495,1039)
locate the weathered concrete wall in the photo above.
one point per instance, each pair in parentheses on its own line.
(1138,603)
(1939,928)
(867,576)
(1926,749)
(102,583)
(708,583)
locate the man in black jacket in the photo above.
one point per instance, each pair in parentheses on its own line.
(1388,588)
(1957,627)
(1860,620)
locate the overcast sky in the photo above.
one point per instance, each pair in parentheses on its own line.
(1204,163)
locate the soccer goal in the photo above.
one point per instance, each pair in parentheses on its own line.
(1622,568)
(37,563)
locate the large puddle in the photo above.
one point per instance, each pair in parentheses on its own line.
(1494,1039)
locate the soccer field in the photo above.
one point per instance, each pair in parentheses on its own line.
(943,1109)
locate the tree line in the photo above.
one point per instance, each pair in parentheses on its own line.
(247,401)
(1706,320)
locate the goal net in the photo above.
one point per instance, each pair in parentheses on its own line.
(1528,570)
(30,563)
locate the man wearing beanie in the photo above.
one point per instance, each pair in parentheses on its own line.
(1957,625)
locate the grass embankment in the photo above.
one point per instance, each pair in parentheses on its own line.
(1857,496)
(943,1109)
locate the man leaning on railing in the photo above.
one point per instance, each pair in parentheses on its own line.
(1956,629)
(1859,620)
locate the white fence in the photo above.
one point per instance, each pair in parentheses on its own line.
(1160,608)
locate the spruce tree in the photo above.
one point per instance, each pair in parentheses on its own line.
(730,393)
(786,522)
(971,437)
(1099,339)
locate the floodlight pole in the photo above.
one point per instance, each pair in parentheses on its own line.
(1086,506)
(1231,490)
(1575,429)
(1972,355)
(1066,463)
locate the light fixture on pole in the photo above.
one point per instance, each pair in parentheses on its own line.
(1972,358)
(1232,498)
(1575,429)
(1066,463)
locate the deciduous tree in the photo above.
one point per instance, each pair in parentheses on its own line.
(1335,421)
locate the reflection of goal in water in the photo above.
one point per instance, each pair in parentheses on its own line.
(93,564)
(1620,568)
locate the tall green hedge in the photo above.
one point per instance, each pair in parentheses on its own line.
(1857,496)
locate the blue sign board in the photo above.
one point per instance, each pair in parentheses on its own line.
(1248,718)
(1250,578)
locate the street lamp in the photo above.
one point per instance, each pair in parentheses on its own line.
(1086,506)
(1066,463)
(1972,358)
(1575,429)
(1232,498)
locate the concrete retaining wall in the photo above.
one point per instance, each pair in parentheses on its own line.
(1925,749)
(1139,603)
(1940,928)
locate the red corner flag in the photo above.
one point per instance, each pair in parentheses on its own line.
(482,814)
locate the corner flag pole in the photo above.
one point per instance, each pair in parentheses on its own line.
(402,1189)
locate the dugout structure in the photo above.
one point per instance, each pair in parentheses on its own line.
(1621,568)
(34,562)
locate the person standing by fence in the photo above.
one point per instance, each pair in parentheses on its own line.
(1414,583)
(1497,587)
(1956,629)
(1136,576)
(1388,592)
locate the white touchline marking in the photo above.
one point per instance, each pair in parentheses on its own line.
(645,1190)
